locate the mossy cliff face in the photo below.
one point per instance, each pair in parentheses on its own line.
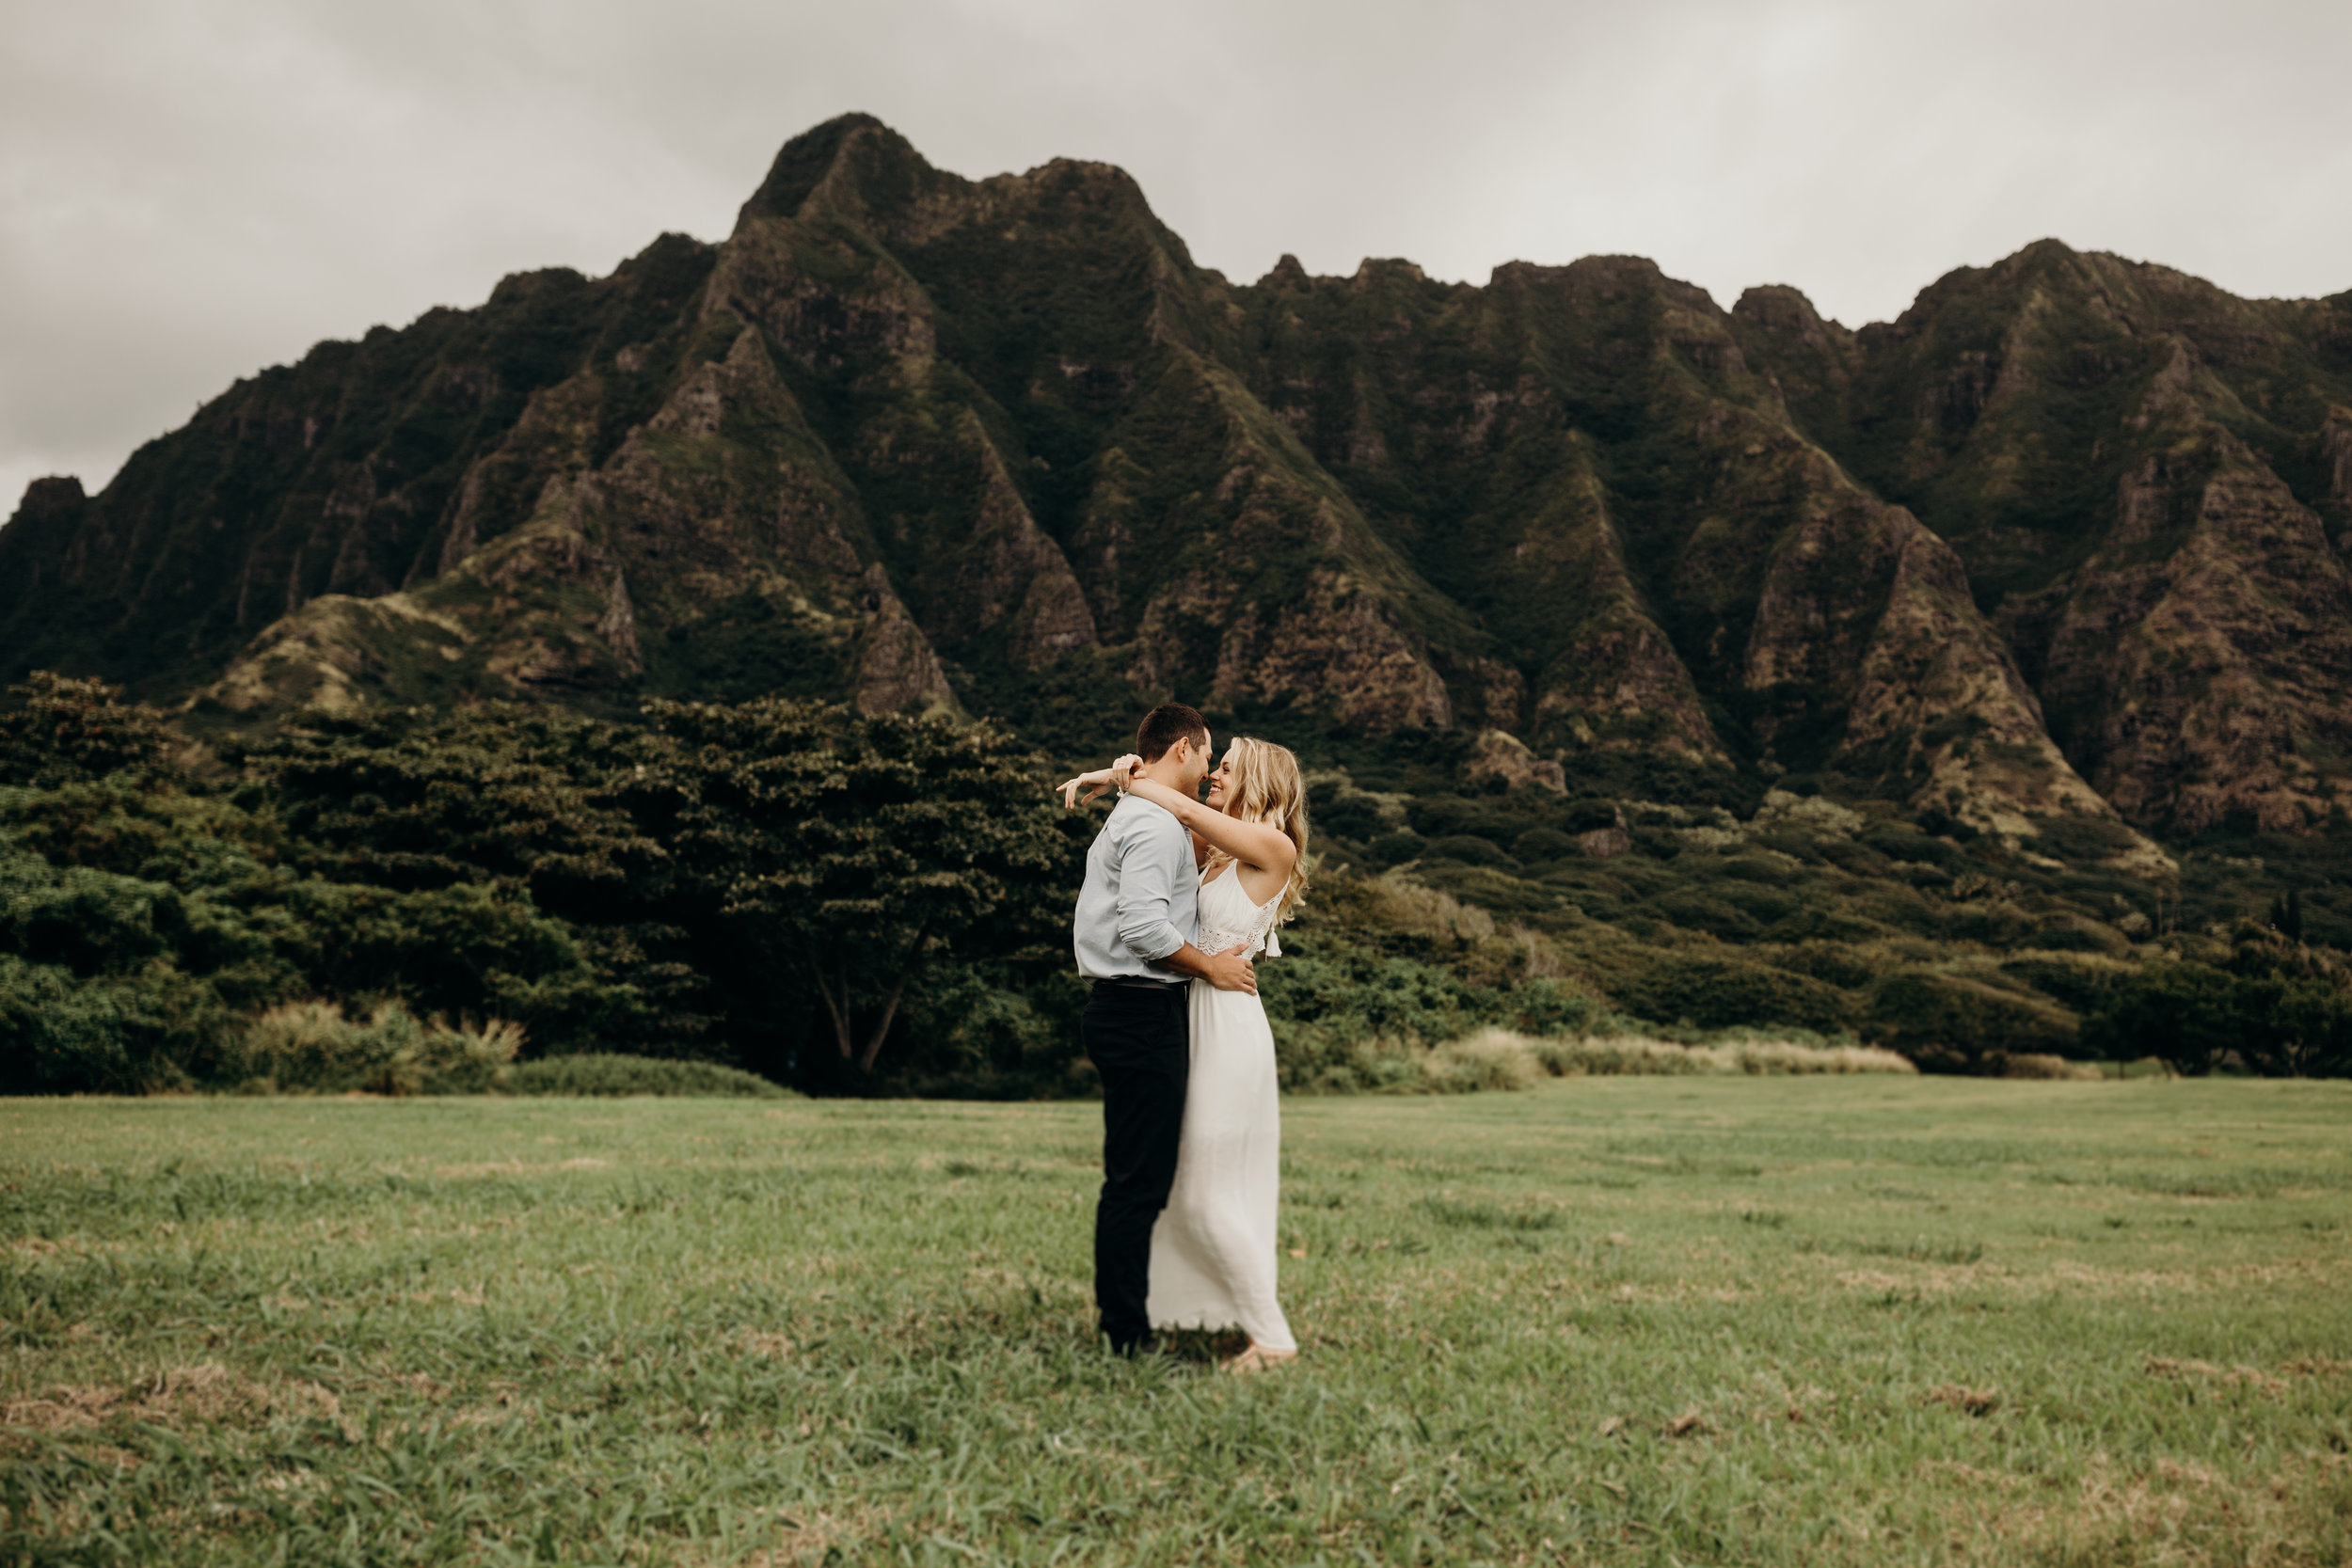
(926,442)
(1584,458)
(2148,482)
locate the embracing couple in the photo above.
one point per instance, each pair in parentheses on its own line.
(1181,894)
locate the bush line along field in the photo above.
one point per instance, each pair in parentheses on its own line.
(880,905)
(1771,1321)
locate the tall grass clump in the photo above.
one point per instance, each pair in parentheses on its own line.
(1491,1059)
(1496,1058)
(314,1048)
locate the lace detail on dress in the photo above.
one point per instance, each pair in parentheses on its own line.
(1229,920)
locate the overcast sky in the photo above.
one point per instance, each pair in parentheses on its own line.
(193,189)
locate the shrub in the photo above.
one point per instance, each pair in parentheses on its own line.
(598,1074)
(1589,815)
(113,1033)
(313,1048)
(467,1059)
(1947,1024)
(2085,838)
(1469,849)
(2070,933)
(1451,815)
(1900,842)
(2080,981)
(981,1036)
(1542,846)
(1696,912)
(1349,816)
(1545,1006)
(1836,963)
(1344,1017)
(2034,1065)
(1716,993)
(1324,1059)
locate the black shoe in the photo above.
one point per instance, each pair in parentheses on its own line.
(1150,1348)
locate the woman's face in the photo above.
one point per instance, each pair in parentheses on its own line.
(1221,784)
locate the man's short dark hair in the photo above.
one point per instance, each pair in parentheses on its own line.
(1166,725)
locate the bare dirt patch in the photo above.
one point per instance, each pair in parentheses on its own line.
(1968,1401)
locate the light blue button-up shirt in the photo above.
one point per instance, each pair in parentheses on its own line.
(1142,897)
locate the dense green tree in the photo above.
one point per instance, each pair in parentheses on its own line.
(2187,1015)
(2296,1001)
(528,807)
(842,854)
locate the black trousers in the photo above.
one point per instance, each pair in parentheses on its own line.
(1140,1039)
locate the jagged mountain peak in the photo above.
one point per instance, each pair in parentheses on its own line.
(807,162)
(1287,273)
(1782,307)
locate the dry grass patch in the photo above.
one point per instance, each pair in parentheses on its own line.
(2224,1378)
(2186,1513)
(2317,1366)
(816,1535)
(512,1167)
(209,1394)
(773,1347)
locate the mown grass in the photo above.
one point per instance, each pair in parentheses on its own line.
(1760,1321)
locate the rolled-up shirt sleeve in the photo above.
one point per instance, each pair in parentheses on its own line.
(1150,862)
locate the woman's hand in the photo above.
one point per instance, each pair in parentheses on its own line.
(1097,784)
(1116,776)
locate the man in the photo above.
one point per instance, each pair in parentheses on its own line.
(1133,933)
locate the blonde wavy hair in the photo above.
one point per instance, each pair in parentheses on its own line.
(1267,787)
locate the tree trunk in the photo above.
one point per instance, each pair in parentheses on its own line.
(839,1011)
(890,1009)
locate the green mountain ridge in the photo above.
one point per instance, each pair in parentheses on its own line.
(2061,543)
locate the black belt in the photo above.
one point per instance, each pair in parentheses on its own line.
(1143,983)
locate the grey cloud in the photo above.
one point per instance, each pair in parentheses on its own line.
(192,189)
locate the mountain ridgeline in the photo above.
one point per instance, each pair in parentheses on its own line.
(2062,542)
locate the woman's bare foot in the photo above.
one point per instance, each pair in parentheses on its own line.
(1257,1358)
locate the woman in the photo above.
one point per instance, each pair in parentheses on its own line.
(1212,1250)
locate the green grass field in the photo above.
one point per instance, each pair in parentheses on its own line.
(1756,1320)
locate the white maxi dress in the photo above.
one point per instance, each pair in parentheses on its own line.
(1212,1250)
